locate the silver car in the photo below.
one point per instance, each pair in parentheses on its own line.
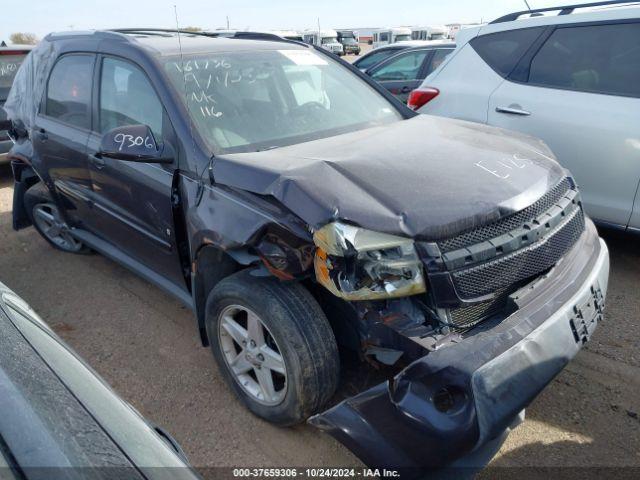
(570,79)
(59,419)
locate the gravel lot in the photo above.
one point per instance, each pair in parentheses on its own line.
(145,345)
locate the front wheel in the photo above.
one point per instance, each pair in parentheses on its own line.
(274,346)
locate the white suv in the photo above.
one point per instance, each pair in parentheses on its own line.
(568,75)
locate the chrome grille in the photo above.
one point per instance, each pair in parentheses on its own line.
(509,223)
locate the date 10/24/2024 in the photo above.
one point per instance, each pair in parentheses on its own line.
(315,472)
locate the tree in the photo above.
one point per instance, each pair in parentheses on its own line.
(23,38)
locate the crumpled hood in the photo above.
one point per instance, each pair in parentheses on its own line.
(426,177)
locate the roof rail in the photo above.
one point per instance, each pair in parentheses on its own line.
(238,35)
(160,31)
(564,10)
(265,36)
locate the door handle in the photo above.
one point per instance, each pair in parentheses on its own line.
(42,135)
(405,89)
(513,111)
(97,161)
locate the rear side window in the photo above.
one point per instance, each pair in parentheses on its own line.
(598,59)
(439,56)
(69,90)
(374,58)
(503,50)
(406,66)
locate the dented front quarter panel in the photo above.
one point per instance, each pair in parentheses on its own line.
(233,220)
(495,372)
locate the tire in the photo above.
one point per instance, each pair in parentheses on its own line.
(295,327)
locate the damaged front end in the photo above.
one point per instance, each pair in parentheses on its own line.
(466,383)
(475,288)
(358,264)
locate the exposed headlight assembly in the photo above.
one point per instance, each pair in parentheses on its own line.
(358,264)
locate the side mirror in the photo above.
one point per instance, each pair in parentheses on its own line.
(134,143)
(370,42)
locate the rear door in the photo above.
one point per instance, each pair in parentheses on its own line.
(402,73)
(132,200)
(580,93)
(61,131)
(477,69)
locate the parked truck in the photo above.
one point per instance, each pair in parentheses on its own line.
(327,39)
(387,36)
(350,42)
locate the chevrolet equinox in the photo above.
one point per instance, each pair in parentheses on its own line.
(296,207)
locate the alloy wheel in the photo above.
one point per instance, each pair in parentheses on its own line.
(49,221)
(252,355)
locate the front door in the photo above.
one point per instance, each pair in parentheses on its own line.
(61,131)
(132,200)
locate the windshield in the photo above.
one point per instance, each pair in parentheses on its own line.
(403,38)
(326,40)
(349,41)
(9,65)
(255,100)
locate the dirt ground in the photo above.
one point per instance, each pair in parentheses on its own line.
(145,345)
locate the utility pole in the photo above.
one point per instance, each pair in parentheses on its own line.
(227,22)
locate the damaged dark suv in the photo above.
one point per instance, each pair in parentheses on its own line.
(297,208)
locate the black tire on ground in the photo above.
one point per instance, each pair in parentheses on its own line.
(302,334)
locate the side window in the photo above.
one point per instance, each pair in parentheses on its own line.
(374,58)
(127,98)
(69,90)
(384,37)
(405,67)
(600,59)
(438,57)
(503,50)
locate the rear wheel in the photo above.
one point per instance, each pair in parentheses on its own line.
(50,224)
(274,346)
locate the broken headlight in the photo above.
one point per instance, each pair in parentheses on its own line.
(358,264)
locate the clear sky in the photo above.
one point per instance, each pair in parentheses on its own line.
(43,16)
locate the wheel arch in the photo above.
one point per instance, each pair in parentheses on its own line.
(211,265)
(24,177)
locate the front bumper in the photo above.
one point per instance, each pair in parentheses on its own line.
(458,400)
